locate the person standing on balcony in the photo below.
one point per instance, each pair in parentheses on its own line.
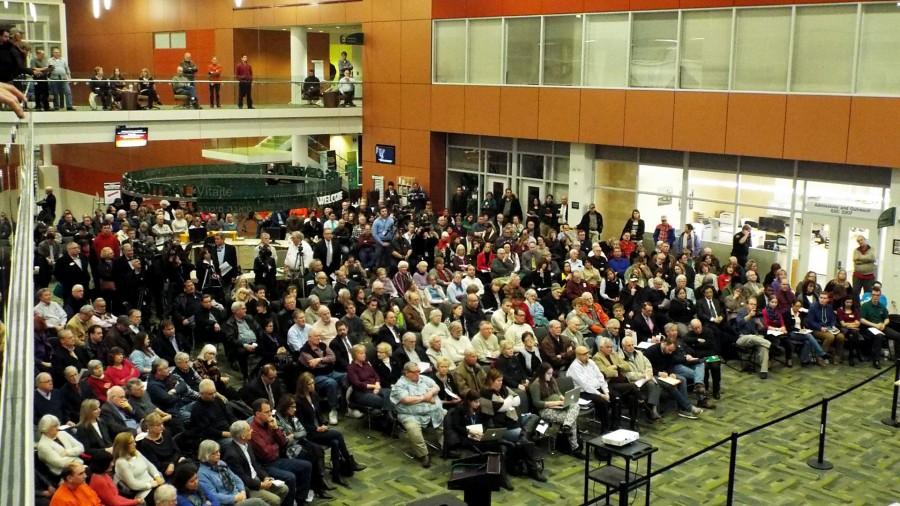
(189,68)
(344,64)
(59,81)
(244,73)
(41,86)
(214,73)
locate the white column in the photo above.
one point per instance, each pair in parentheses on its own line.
(581,180)
(889,270)
(299,150)
(299,61)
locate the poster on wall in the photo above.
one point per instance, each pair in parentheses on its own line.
(378,185)
(111,192)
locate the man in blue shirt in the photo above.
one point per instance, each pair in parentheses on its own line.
(822,321)
(383,231)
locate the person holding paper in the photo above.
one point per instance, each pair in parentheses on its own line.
(799,334)
(700,342)
(874,320)
(224,258)
(749,326)
(548,401)
(822,321)
(640,373)
(662,360)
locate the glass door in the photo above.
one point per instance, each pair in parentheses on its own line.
(828,243)
(819,246)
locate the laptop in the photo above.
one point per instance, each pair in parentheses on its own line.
(571,397)
(196,235)
(492,435)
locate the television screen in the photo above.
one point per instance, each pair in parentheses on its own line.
(131,137)
(384,154)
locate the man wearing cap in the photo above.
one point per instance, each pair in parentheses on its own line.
(80,322)
(120,335)
(740,245)
(664,231)
(555,305)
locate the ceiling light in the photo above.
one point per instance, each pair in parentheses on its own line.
(107,4)
(32,10)
(95,7)
(237,3)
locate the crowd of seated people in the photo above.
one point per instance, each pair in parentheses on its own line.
(171,368)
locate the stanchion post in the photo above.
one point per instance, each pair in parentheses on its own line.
(623,493)
(892,421)
(732,466)
(819,462)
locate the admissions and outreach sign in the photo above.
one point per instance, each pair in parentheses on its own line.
(863,209)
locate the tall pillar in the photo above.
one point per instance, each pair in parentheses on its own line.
(300,150)
(889,270)
(581,180)
(299,62)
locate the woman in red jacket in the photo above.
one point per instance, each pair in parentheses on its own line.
(485,259)
(120,369)
(102,483)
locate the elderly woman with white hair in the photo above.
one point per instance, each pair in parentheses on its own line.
(536,309)
(207,367)
(435,326)
(56,449)
(219,480)
(403,280)
(323,289)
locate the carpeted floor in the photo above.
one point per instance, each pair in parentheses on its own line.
(771,466)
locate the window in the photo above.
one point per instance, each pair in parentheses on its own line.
(713,185)
(762,39)
(523,51)
(531,166)
(705,49)
(879,45)
(766,191)
(485,46)
(606,50)
(562,50)
(561,169)
(450,51)
(170,40)
(823,48)
(654,44)
(498,162)
(466,159)
(659,179)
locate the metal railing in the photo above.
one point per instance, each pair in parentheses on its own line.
(265,92)
(16,404)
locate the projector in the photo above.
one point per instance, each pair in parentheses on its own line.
(620,437)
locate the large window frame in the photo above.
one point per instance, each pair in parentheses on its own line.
(861,11)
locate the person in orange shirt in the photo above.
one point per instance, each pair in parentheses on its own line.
(593,314)
(214,73)
(73,491)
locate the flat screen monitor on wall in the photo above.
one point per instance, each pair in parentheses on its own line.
(131,137)
(385,154)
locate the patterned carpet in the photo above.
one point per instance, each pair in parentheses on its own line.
(771,465)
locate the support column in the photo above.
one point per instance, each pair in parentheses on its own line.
(581,180)
(889,270)
(299,62)
(299,150)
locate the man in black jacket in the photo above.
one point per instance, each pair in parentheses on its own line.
(224,257)
(662,357)
(701,342)
(265,386)
(240,459)
(167,343)
(592,224)
(71,269)
(209,322)
(210,418)
(328,251)
(185,309)
(169,393)
(118,414)
(241,337)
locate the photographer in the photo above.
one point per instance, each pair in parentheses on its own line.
(265,270)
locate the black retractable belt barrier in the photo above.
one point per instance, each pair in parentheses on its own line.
(892,420)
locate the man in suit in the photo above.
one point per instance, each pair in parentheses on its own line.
(167,343)
(265,386)
(410,351)
(646,324)
(224,257)
(129,275)
(209,322)
(241,336)
(389,333)
(713,316)
(118,414)
(185,309)
(328,252)
(341,345)
(240,459)
(71,269)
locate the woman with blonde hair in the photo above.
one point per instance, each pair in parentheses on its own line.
(133,470)
(147,88)
(93,432)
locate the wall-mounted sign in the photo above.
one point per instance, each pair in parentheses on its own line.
(111,192)
(352,39)
(860,209)
(887,218)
